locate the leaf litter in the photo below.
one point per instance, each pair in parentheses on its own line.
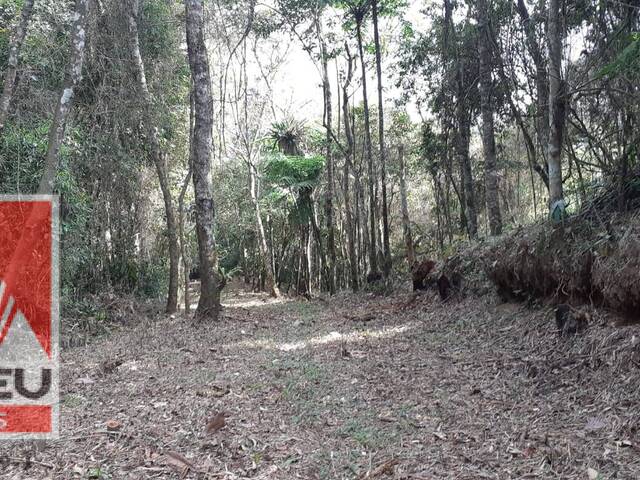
(413,389)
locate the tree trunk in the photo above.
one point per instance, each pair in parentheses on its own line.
(373,259)
(307,259)
(406,224)
(17,39)
(211,281)
(556,112)
(346,118)
(71,81)
(317,235)
(463,134)
(159,161)
(328,120)
(265,251)
(542,87)
(186,260)
(542,171)
(466,194)
(263,246)
(383,153)
(186,265)
(361,221)
(488,135)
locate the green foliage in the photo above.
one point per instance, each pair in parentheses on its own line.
(8,9)
(23,148)
(299,11)
(98,473)
(627,61)
(400,128)
(294,177)
(265,24)
(234,216)
(431,148)
(157,34)
(391,7)
(295,173)
(408,31)
(151,278)
(45,51)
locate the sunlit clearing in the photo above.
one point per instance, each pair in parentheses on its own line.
(332,337)
(252,301)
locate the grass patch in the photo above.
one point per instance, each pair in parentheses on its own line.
(303,383)
(365,435)
(72,400)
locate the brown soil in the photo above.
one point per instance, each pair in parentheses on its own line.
(355,387)
(583,260)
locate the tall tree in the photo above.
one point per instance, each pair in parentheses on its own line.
(359,12)
(348,166)
(71,81)
(486,107)
(463,137)
(159,159)
(451,51)
(406,223)
(542,88)
(383,154)
(211,281)
(252,137)
(542,112)
(556,110)
(10,74)
(186,261)
(328,120)
(265,251)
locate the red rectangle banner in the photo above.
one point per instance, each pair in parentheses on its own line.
(25,418)
(29,317)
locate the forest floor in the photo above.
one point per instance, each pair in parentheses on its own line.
(355,387)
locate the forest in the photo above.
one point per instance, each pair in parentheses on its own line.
(329,239)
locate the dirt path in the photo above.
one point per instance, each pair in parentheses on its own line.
(356,387)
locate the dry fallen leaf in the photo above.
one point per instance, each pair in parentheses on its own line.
(214,391)
(387,418)
(594,423)
(624,443)
(385,469)
(439,435)
(267,474)
(180,463)
(367,317)
(110,366)
(215,423)
(113,425)
(84,381)
(514,451)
